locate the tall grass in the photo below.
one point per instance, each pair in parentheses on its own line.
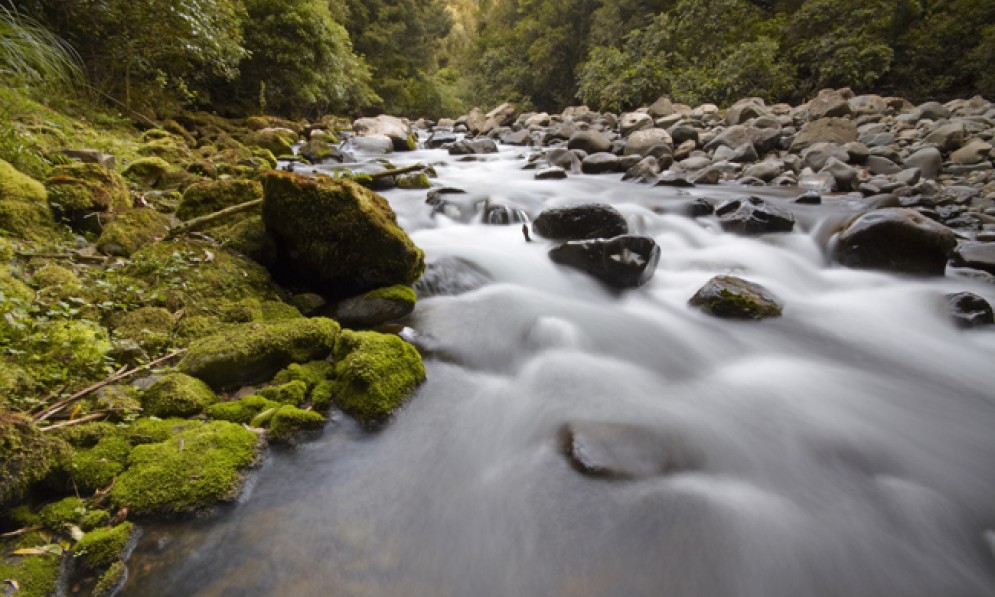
(34,57)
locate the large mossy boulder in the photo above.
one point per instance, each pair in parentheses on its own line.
(277,140)
(210,196)
(191,470)
(254,352)
(177,395)
(896,239)
(151,172)
(375,373)
(132,230)
(26,455)
(24,211)
(337,235)
(80,193)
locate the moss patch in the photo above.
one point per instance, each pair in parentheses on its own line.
(254,352)
(151,327)
(148,172)
(26,456)
(94,468)
(23,208)
(36,576)
(54,275)
(79,193)
(177,395)
(132,230)
(241,411)
(111,580)
(289,422)
(191,470)
(66,511)
(292,392)
(417,180)
(100,548)
(211,196)
(375,373)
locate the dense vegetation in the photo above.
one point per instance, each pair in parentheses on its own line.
(437,57)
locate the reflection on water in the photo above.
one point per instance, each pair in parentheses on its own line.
(843,449)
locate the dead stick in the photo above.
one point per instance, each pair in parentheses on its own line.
(396,171)
(69,256)
(24,531)
(79,421)
(200,222)
(51,410)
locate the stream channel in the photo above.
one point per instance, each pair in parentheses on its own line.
(845,448)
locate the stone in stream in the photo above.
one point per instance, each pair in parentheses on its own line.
(969,310)
(565,159)
(621,262)
(623,450)
(753,215)
(580,222)
(896,239)
(600,163)
(928,160)
(551,173)
(474,147)
(645,171)
(589,141)
(976,255)
(376,307)
(736,298)
(398,131)
(450,276)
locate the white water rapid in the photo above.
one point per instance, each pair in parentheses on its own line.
(844,449)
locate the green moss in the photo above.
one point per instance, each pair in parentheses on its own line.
(79,192)
(111,580)
(411,142)
(308,302)
(278,311)
(375,373)
(26,456)
(54,275)
(23,208)
(66,348)
(86,435)
(94,519)
(417,180)
(292,392)
(170,149)
(288,422)
(132,230)
(253,352)
(95,468)
(22,516)
(214,195)
(120,400)
(157,135)
(37,576)
(266,155)
(242,411)
(21,187)
(204,168)
(154,430)
(151,327)
(100,548)
(277,141)
(399,293)
(148,172)
(322,395)
(177,395)
(242,311)
(191,470)
(311,373)
(65,511)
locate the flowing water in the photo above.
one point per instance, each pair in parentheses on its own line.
(846,448)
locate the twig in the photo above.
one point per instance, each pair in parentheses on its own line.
(79,421)
(396,171)
(69,256)
(200,222)
(51,410)
(24,531)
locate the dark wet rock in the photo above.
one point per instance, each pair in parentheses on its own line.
(976,255)
(589,141)
(551,173)
(700,207)
(753,215)
(441,139)
(376,307)
(969,310)
(809,198)
(474,147)
(628,161)
(600,163)
(621,262)
(735,298)
(521,137)
(928,160)
(580,222)
(449,276)
(624,451)
(671,179)
(896,239)
(500,214)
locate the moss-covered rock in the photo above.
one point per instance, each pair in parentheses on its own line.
(151,327)
(214,195)
(26,456)
(311,373)
(94,519)
(58,514)
(120,400)
(24,210)
(86,435)
(375,373)
(254,352)
(100,548)
(191,470)
(177,395)
(337,234)
(132,230)
(169,148)
(377,306)
(94,468)
(111,580)
(289,422)
(292,392)
(732,297)
(66,348)
(322,395)
(248,236)
(279,141)
(54,275)
(36,576)
(414,180)
(80,193)
(150,172)
(241,411)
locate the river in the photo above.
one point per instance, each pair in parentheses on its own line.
(846,448)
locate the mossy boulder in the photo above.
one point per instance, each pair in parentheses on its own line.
(66,511)
(24,210)
(279,141)
(80,193)
(248,236)
(414,180)
(111,580)
(375,373)
(120,399)
(736,298)
(177,395)
(36,576)
(94,468)
(100,548)
(196,275)
(132,230)
(150,327)
(26,455)
(377,306)
(191,470)
(292,392)
(67,348)
(254,352)
(290,422)
(54,275)
(241,411)
(337,234)
(169,148)
(149,172)
(311,373)
(214,195)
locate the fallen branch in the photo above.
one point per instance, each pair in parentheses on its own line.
(61,404)
(79,421)
(67,256)
(24,531)
(202,221)
(388,173)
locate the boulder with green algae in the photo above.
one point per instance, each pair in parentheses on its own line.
(375,373)
(36,576)
(120,400)
(171,149)
(100,548)
(196,275)
(311,373)
(177,395)
(736,298)
(26,455)
(81,193)
(151,327)
(148,172)
(214,195)
(23,206)
(337,235)
(130,231)
(253,352)
(191,470)
(322,395)
(415,180)
(242,411)
(111,580)
(292,392)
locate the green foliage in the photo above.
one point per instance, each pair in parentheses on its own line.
(31,55)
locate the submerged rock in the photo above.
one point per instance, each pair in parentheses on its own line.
(969,310)
(449,276)
(753,215)
(621,262)
(580,222)
(735,298)
(623,451)
(896,239)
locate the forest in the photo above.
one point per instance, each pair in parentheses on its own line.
(436,58)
